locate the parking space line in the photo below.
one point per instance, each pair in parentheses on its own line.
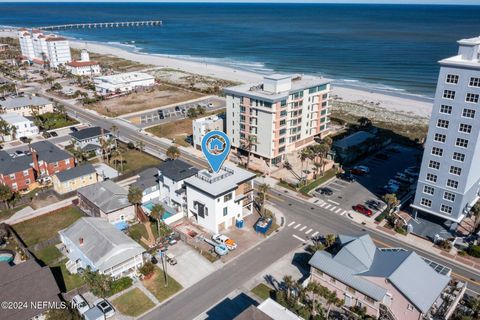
(290,224)
(344,211)
(332,208)
(336,189)
(297,237)
(323,205)
(314,234)
(303,228)
(336,203)
(307,232)
(298,225)
(328,206)
(339,209)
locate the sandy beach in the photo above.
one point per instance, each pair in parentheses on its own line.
(398,102)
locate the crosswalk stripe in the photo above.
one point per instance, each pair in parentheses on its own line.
(307,232)
(333,202)
(297,237)
(298,225)
(323,205)
(314,234)
(332,208)
(344,211)
(328,206)
(291,223)
(303,228)
(339,209)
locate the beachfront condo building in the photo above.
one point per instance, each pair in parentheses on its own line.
(449,181)
(43,49)
(282,114)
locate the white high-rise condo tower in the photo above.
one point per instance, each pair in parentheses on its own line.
(449,181)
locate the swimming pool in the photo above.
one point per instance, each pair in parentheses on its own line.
(6,257)
(149,206)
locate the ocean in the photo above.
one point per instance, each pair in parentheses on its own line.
(383,47)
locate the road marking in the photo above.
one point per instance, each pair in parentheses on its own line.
(332,208)
(323,205)
(314,234)
(328,206)
(307,232)
(334,202)
(344,211)
(339,209)
(297,237)
(336,189)
(275,197)
(290,224)
(298,225)
(303,228)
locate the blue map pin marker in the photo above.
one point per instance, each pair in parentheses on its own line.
(215,148)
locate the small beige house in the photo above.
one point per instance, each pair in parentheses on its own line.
(74,179)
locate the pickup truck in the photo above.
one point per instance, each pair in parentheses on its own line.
(222,239)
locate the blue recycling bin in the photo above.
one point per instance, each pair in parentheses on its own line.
(240,224)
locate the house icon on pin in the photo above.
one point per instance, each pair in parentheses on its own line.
(216,145)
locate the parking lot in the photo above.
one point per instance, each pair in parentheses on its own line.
(370,186)
(166,114)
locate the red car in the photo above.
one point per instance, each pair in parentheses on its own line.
(363,210)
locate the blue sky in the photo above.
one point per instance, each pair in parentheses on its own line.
(474,2)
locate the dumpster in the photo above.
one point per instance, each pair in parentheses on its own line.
(240,223)
(263,224)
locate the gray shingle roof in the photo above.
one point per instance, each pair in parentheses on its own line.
(76,172)
(177,169)
(11,103)
(49,152)
(10,165)
(106,195)
(103,244)
(147,179)
(88,133)
(406,270)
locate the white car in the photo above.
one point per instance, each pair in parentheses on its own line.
(80,304)
(363,168)
(412,172)
(222,239)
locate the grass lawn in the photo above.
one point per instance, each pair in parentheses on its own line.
(134,160)
(48,254)
(137,231)
(156,285)
(110,61)
(312,185)
(7,213)
(71,281)
(52,120)
(133,303)
(262,291)
(46,227)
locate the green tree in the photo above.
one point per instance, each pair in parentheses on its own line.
(62,314)
(100,284)
(200,110)
(476,215)
(304,155)
(330,240)
(135,196)
(140,145)
(288,284)
(173,152)
(5,194)
(192,113)
(263,192)
(391,201)
(157,213)
(247,144)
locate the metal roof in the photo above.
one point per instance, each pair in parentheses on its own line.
(106,195)
(10,103)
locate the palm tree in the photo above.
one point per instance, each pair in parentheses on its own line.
(114,130)
(140,145)
(247,144)
(60,108)
(135,196)
(157,213)
(173,152)
(391,201)
(314,290)
(263,191)
(117,153)
(5,194)
(288,284)
(106,146)
(303,156)
(330,239)
(331,300)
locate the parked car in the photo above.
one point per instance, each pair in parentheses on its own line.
(326,191)
(19,152)
(23,139)
(373,204)
(347,177)
(177,108)
(106,308)
(73,129)
(365,169)
(54,134)
(170,258)
(46,134)
(223,239)
(221,249)
(80,304)
(363,210)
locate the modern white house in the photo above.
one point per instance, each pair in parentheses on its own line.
(23,126)
(202,126)
(217,200)
(84,67)
(95,243)
(284,113)
(122,82)
(23,105)
(449,180)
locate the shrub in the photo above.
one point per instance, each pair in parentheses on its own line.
(131,145)
(120,285)
(381,216)
(474,251)
(147,269)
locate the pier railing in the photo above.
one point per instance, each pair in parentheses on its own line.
(93,25)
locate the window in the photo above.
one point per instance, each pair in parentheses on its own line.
(12,176)
(457,156)
(455,170)
(442,123)
(369,300)
(468,113)
(465,128)
(434,164)
(446,209)
(25,172)
(428,190)
(410,307)
(449,94)
(440,137)
(452,184)
(452,78)
(474,82)
(471,97)
(437,151)
(449,196)
(463,143)
(227,197)
(445,109)
(225,211)
(431,177)
(426,203)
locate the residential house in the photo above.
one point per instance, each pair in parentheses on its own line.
(83,67)
(24,105)
(202,126)
(148,182)
(49,159)
(267,310)
(16,172)
(76,178)
(27,283)
(23,126)
(390,282)
(106,200)
(217,200)
(123,82)
(95,243)
(90,139)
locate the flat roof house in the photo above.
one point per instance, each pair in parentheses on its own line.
(217,200)
(123,82)
(27,282)
(23,126)
(384,281)
(90,139)
(23,105)
(96,243)
(106,200)
(73,179)
(203,125)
